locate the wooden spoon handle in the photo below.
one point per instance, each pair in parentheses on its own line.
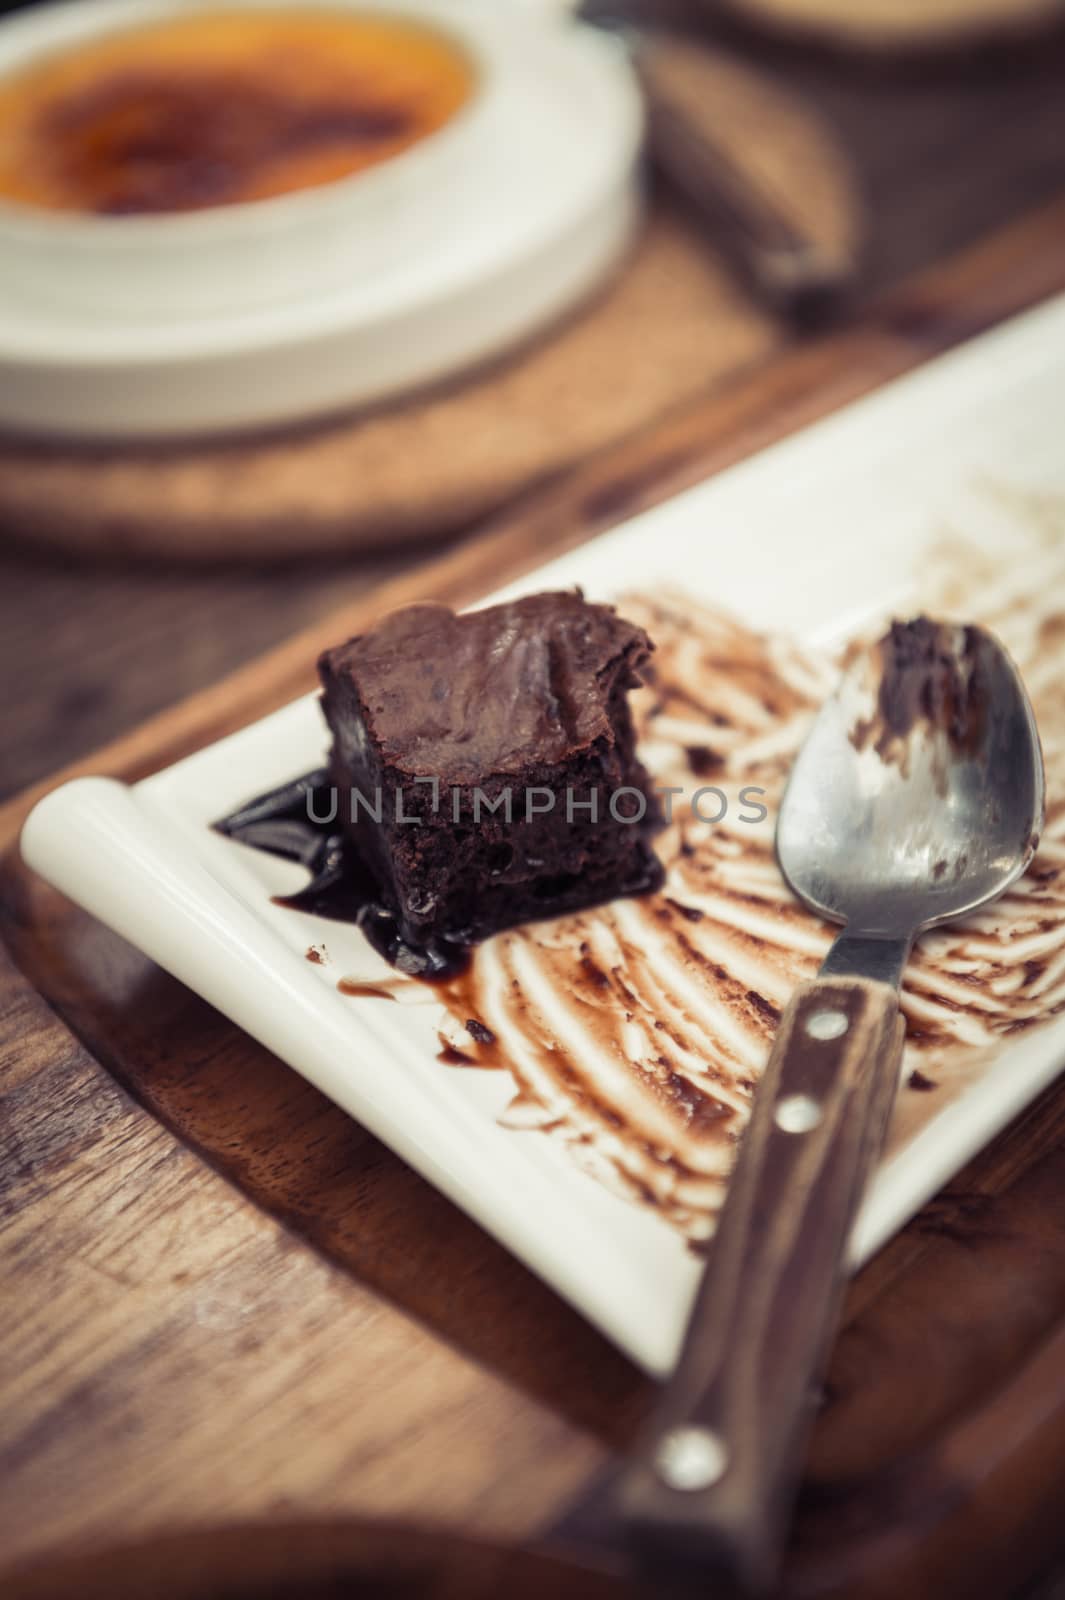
(710,1485)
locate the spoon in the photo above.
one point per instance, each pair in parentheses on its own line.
(916,798)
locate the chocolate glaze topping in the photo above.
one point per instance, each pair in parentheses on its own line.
(458,696)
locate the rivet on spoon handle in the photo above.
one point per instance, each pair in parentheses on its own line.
(711,1482)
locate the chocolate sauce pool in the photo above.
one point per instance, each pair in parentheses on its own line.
(282,823)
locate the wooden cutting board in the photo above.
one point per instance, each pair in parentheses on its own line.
(246,1344)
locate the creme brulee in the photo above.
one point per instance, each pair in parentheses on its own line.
(218,107)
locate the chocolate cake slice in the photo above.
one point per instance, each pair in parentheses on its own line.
(485,763)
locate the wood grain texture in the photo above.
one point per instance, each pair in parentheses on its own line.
(232,1305)
(227,1305)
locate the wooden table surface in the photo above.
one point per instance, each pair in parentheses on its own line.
(89,653)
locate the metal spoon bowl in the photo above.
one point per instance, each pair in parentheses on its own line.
(893,846)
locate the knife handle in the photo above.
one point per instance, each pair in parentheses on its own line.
(800,260)
(710,1486)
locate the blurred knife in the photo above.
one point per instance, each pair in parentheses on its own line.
(782,246)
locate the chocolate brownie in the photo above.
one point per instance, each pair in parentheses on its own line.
(485,763)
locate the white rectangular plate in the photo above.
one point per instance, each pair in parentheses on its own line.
(815,536)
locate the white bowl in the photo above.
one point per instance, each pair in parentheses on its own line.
(487,231)
(265,251)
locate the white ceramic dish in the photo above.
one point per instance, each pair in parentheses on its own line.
(815,535)
(232,258)
(334,296)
